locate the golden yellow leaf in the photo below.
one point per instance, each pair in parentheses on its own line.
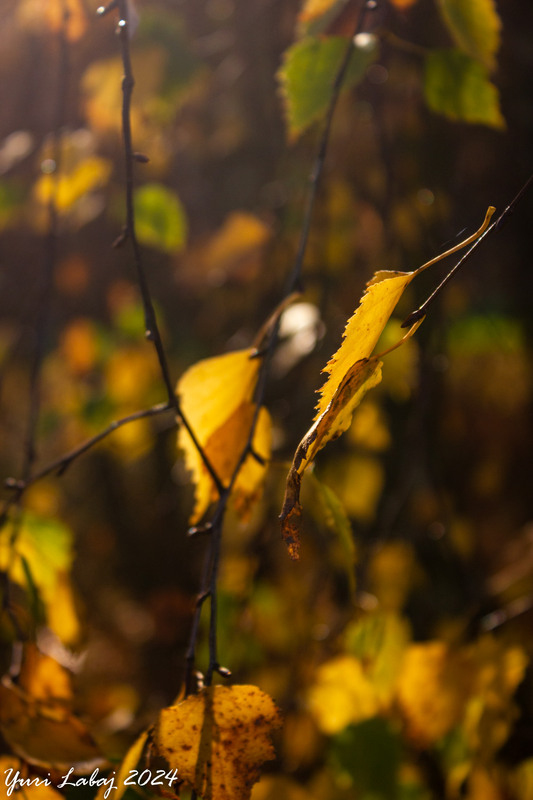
(432,690)
(43,550)
(363,329)
(216,396)
(379,640)
(218,740)
(42,677)
(342,695)
(233,252)
(352,372)
(89,174)
(497,670)
(335,419)
(45,734)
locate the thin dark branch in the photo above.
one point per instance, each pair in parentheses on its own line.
(50,253)
(497,225)
(61,464)
(294,280)
(293,283)
(152,333)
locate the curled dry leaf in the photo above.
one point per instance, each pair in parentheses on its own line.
(218,740)
(352,372)
(216,396)
(45,734)
(36,721)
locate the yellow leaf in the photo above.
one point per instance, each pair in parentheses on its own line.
(342,695)
(497,671)
(335,419)
(216,396)
(433,687)
(352,372)
(364,329)
(34,13)
(218,740)
(44,549)
(86,176)
(42,677)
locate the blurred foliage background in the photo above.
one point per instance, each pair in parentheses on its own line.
(411,603)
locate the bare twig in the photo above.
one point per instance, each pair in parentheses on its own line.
(293,284)
(61,464)
(43,306)
(497,225)
(152,333)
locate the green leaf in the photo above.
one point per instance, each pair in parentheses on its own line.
(475,27)
(159,218)
(458,87)
(370,753)
(308,73)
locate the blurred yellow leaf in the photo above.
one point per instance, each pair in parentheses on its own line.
(102,87)
(130,372)
(89,174)
(379,641)
(392,574)
(433,688)
(216,397)
(342,694)
(218,740)
(57,15)
(497,671)
(44,732)
(79,345)
(42,554)
(35,786)
(42,677)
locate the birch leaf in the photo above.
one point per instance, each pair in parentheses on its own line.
(218,740)
(458,87)
(475,27)
(216,396)
(352,372)
(307,77)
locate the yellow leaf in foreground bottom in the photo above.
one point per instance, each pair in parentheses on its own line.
(216,396)
(35,787)
(45,734)
(218,740)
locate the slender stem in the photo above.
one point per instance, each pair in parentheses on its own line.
(293,284)
(61,464)
(153,333)
(497,225)
(50,253)
(294,279)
